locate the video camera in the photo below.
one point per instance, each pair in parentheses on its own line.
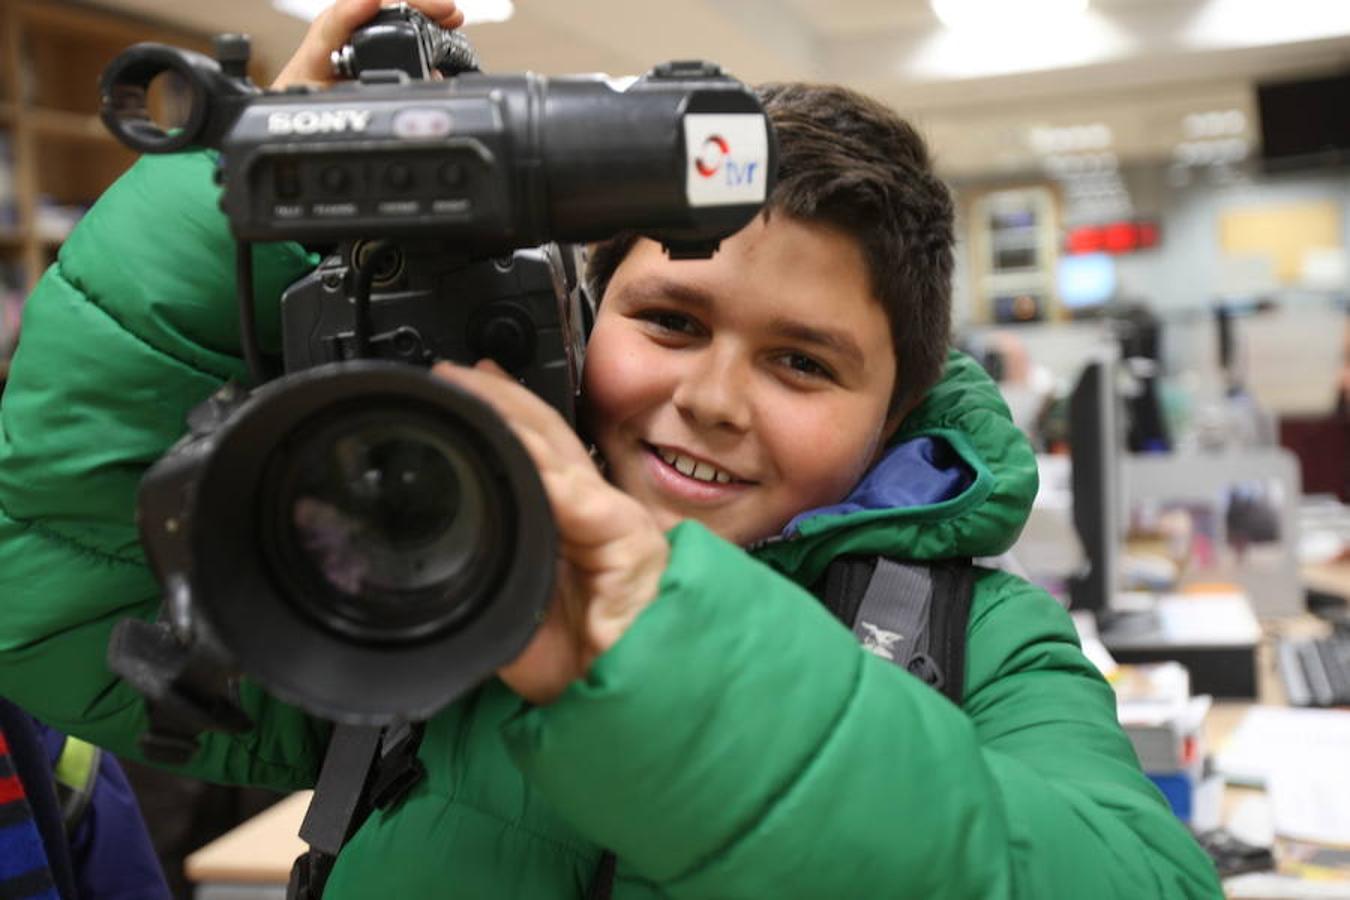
(364,539)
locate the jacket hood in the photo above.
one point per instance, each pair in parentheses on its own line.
(957,481)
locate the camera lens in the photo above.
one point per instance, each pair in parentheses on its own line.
(363,538)
(388,524)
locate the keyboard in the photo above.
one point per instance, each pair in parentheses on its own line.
(1316,671)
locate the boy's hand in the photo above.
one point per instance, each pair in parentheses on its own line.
(612,552)
(310,64)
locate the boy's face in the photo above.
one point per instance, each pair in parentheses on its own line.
(743,389)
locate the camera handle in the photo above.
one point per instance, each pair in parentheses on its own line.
(186,692)
(258,370)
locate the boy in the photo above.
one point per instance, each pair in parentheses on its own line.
(688,708)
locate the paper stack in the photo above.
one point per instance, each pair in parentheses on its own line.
(1165,725)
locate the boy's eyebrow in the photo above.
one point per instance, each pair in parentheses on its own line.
(658,288)
(837,342)
(655,287)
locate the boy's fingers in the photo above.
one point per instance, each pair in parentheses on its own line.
(336,24)
(333,28)
(349,15)
(443,12)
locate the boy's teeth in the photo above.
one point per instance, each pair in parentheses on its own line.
(699,471)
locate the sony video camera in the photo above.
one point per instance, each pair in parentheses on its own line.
(364,539)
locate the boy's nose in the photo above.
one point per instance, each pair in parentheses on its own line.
(713,391)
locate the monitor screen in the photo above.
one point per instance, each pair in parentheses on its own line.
(1305,120)
(1095,451)
(1086,281)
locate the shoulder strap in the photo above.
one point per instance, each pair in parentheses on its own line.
(913,614)
(366,767)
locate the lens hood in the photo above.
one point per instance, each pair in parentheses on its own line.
(368,654)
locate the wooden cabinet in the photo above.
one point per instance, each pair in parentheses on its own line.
(55,155)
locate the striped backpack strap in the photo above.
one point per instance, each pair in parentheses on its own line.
(34,861)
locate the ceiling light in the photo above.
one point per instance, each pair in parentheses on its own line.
(479,11)
(984,13)
(475,11)
(1014,39)
(1254,23)
(301,9)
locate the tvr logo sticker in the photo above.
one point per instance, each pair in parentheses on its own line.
(728,157)
(715,159)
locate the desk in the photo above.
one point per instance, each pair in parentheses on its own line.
(1329,578)
(1224,718)
(252,862)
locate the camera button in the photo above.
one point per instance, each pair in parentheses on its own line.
(451,175)
(399,177)
(334,179)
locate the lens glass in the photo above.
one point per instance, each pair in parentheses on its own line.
(393,522)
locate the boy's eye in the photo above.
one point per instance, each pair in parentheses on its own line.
(673,322)
(806,366)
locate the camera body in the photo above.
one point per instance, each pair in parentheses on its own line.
(362,538)
(525,310)
(492,163)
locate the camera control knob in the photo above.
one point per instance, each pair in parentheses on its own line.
(399,177)
(504,334)
(232,52)
(451,175)
(334,179)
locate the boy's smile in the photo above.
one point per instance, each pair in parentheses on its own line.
(743,389)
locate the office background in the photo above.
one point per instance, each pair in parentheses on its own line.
(1179,163)
(1052,119)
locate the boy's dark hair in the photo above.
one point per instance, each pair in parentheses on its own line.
(847,161)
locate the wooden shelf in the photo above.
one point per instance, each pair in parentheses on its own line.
(55,123)
(52,53)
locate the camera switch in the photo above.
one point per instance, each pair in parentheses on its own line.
(451,175)
(286,180)
(334,179)
(399,177)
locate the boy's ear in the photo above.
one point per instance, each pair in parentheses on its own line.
(890,426)
(896,417)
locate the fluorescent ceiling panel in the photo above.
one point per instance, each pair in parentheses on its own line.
(475,11)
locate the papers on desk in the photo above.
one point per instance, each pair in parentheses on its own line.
(1302,758)
(1161,718)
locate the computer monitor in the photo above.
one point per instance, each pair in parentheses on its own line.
(1095,451)
(1139,333)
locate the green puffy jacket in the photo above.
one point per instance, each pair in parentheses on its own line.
(737,742)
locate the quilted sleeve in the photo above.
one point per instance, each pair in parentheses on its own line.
(134,324)
(738,742)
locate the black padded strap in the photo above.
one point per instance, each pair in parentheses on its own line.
(335,809)
(912,614)
(953,588)
(365,767)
